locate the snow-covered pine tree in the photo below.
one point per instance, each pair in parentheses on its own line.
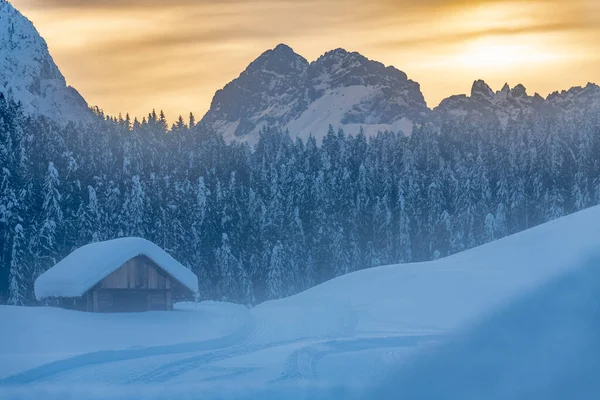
(19,276)
(403,240)
(296,252)
(134,209)
(490,228)
(276,282)
(235,285)
(89,219)
(341,254)
(314,199)
(8,217)
(199,240)
(46,241)
(72,199)
(435,207)
(111,209)
(192,121)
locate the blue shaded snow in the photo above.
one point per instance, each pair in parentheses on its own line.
(545,345)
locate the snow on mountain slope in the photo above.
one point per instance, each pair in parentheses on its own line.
(346,90)
(282,89)
(576,99)
(334,105)
(28,73)
(338,337)
(342,89)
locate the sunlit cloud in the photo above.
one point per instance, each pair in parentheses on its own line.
(132,56)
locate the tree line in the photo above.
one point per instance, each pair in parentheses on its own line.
(269,221)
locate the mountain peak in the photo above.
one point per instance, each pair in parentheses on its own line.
(340,62)
(339,52)
(28,73)
(341,88)
(519,91)
(282,47)
(482,90)
(342,58)
(283,50)
(280,60)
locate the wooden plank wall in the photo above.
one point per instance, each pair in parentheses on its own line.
(157,301)
(137,273)
(118,300)
(88,302)
(137,282)
(95,300)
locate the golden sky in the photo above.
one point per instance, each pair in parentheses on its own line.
(135,55)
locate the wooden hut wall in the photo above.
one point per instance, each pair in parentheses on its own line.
(138,285)
(138,273)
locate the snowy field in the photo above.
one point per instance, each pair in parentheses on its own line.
(461,322)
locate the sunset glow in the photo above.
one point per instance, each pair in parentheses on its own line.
(135,56)
(493,54)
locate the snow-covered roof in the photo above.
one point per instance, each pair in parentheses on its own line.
(88,265)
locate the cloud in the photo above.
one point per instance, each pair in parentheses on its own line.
(125,55)
(471,35)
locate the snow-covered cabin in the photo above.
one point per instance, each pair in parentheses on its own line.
(121,275)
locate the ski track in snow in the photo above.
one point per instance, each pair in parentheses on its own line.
(57,368)
(304,362)
(301,364)
(204,356)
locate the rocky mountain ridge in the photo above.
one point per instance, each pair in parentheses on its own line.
(340,88)
(281,88)
(346,90)
(28,73)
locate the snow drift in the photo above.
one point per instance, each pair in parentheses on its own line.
(544,345)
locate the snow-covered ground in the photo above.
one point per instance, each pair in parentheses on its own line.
(543,345)
(336,340)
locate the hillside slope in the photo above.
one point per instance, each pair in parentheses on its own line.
(337,337)
(542,345)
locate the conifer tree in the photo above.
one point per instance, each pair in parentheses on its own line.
(134,209)
(294,213)
(276,277)
(235,284)
(19,282)
(48,237)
